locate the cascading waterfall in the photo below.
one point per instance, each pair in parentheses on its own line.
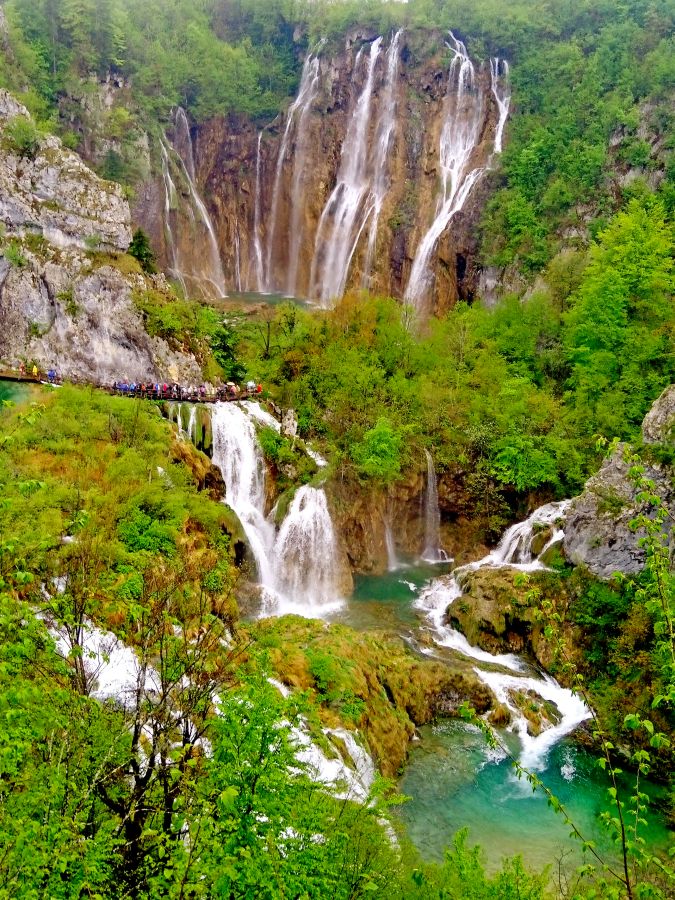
(205,271)
(258,264)
(297,116)
(237,454)
(460,136)
(515,550)
(433,552)
(298,571)
(170,203)
(237,257)
(342,220)
(306,556)
(393,562)
(192,423)
(384,136)
(501,90)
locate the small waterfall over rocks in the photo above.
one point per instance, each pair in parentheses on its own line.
(298,569)
(432,552)
(306,556)
(515,550)
(237,454)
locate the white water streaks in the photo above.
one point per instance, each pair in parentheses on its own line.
(192,424)
(342,220)
(237,454)
(515,550)
(170,204)
(296,119)
(572,709)
(393,562)
(258,264)
(384,136)
(460,136)
(204,270)
(307,577)
(501,90)
(432,552)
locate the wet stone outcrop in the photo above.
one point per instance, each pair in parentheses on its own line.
(598,533)
(52,193)
(66,288)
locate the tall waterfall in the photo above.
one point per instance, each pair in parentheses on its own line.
(460,136)
(204,271)
(501,90)
(306,555)
(393,563)
(297,117)
(170,203)
(383,140)
(237,454)
(342,220)
(259,265)
(433,552)
(515,550)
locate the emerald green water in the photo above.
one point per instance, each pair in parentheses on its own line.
(14,391)
(454,780)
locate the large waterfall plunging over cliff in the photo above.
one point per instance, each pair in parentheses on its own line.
(461,163)
(298,569)
(359,185)
(194,257)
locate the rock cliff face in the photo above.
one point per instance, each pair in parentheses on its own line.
(62,304)
(597,530)
(280,200)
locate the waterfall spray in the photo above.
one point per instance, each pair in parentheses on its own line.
(342,221)
(257,243)
(460,137)
(433,552)
(309,85)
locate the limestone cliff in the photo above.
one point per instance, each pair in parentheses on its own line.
(597,530)
(275,195)
(66,287)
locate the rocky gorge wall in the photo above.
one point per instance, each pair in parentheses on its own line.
(348,182)
(66,287)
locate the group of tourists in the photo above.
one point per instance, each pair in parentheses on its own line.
(194,394)
(51,375)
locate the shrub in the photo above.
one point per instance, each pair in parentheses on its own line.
(21,136)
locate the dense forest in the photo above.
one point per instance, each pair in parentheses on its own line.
(185,782)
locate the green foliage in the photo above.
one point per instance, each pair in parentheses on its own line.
(13,253)
(140,249)
(21,136)
(378,455)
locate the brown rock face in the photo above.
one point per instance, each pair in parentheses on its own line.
(279,202)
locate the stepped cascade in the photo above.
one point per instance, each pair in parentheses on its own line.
(189,233)
(297,569)
(515,550)
(336,194)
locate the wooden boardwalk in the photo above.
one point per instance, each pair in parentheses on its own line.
(172,394)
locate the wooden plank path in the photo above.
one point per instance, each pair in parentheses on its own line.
(172,394)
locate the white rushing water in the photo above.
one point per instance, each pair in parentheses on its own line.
(305,552)
(393,562)
(192,423)
(342,220)
(432,552)
(170,204)
(237,454)
(297,118)
(515,550)
(460,136)
(258,264)
(298,568)
(384,136)
(501,90)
